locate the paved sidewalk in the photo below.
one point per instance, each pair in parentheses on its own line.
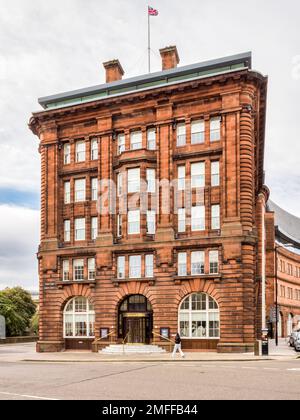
(283,348)
(26,353)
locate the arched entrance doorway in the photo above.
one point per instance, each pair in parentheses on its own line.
(135,320)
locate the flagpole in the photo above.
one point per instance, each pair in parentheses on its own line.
(149,43)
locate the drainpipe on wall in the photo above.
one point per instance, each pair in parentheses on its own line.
(263,269)
(264,329)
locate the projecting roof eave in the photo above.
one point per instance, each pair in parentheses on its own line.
(287,225)
(245,58)
(286,237)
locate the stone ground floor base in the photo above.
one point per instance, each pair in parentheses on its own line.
(221,348)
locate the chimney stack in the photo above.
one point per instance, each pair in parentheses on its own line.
(114,71)
(170,57)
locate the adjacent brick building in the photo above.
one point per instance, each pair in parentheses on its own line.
(283,277)
(140,271)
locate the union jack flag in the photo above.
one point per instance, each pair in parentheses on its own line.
(152,12)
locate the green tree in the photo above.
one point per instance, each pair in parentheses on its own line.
(18,308)
(34,326)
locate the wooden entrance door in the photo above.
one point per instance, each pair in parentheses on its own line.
(135,330)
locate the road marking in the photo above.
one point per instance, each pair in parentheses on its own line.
(27,396)
(294,370)
(248,367)
(271,369)
(209,366)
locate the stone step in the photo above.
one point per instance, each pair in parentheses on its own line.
(143,349)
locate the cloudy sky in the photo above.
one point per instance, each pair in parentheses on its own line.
(55,46)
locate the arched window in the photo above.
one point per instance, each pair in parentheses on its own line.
(79,319)
(199,317)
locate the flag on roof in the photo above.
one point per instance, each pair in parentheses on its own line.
(152,12)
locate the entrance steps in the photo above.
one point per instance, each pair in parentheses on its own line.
(132,349)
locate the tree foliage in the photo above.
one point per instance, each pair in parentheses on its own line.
(18,308)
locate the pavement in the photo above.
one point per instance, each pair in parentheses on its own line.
(25,375)
(26,353)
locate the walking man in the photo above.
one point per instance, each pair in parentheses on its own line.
(178,346)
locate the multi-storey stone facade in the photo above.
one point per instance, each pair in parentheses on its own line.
(144,260)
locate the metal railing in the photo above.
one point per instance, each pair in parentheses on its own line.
(124,341)
(103,338)
(171,342)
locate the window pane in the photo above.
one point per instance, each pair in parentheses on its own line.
(81,305)
(197,262)
(79,229)
(181,220)
(92,268)
(94,227)
(78,270)
(151,222)
(198,175)
(68,325)
(149,262)
(121,267)
(66,270)
(135,266)
(151,181)
(80,151)
(198,131)
(215,129)
(215,217)
(94,149)
(185,304)
(182,264)
(151,138)
(133,180)
(67,192)
(136,140)
(184,325)
(215,174)
(181,178)
(212,304)
(94,189)
(199,302)
(67,229)
(198,218)
(181,135)
(80,189)
(121,143)
(134,222)
(67,154)
(120,184)
(214,262)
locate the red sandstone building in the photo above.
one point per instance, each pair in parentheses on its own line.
(179,243)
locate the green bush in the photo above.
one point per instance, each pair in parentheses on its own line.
(34,325)
(18,308)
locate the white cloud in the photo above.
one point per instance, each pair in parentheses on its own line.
(51,47)
(19,238)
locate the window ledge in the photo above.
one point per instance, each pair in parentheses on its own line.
(215,277)
(117,282)
(62,284)
(135,156)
